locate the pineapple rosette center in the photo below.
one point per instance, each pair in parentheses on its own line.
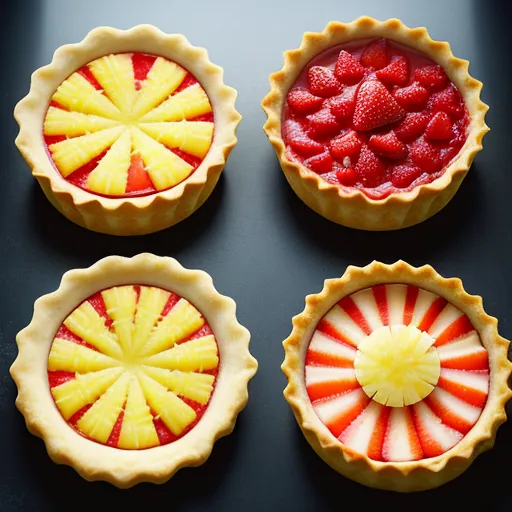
(133,367)
(128,124)
(396,373)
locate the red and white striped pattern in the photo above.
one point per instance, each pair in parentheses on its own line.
(425,429)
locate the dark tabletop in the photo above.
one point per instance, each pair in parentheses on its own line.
(260,244)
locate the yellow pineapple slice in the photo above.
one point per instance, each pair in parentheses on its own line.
(195,386)
(86,323)
(71,357)
(121,302)
(151,303)
(74,394)
(181,321)
(193,356)
(397,365)
(175,413)
(77,94)
(71,154)
(111,174)
(115,74)
(72,124)
(164,167)
(186,104)
(163,78)
(192,137)
(99,420)
(137,430)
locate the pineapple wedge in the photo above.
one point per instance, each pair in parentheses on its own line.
(72,124)
(194,138)
(186,104)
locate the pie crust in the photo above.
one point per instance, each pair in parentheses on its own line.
(426,473)
(353,208)
(126,215)
(95,461)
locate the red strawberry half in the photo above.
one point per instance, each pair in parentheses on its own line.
(431,76)
(426,156)
(346,175)
(375,55)
(301,101)
(348,70)
(322,124)
(388,145)
(396,73)
(346,145)
(299,141)
(342,106)
(411,127)
(320,163)
(439,127)
(413,97)
(370,169)
(322,82)
(448,100)
(403,175)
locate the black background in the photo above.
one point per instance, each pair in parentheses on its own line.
(261,245)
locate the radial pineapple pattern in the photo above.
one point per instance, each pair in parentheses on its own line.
(128,125)
(426,429)
(133,367)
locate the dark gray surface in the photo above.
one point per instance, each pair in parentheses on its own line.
(261,245)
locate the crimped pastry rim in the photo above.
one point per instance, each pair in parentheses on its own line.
(125,468)
(405,476)
(416,38)
(30,111)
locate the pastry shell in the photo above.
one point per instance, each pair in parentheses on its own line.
(351,207)
(129,215)
(397,476)
(125,468)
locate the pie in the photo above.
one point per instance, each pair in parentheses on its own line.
(396,376)
(375,124)
(132,369)
(127,132)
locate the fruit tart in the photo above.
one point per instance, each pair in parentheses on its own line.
(374,123)
(132,369)
(128,131)
(396,376)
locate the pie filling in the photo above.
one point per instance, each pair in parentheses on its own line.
(133,367)
(374,115)
(397,373)
(128,124)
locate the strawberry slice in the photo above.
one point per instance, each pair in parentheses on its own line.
(411,127)
(375,107)
(321,163)
(403,175)
(375,55)
(322,82)
(346,176)
(431,76)
(138,178)
(448,100)
(299,141)
(301,101)
(388,145)
(369,168)
(396,73)
(342,106)
(348,70)
(346,145)
(426,156)
(439,127)
(413,97)
(322,123)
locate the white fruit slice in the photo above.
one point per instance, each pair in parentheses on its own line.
(323,382)
(339,354)
(72,124)
(349,331)
(365,302)
(467,353)
(396,295)
(423,302)
(472,387)
(447,316)
(401,442)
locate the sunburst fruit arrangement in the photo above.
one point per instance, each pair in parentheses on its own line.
(132,369)
(375,124)
(127,132)
(397,377)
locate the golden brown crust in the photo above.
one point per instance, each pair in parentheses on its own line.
(401,476)
(125,468)
(126,216)
(353,208)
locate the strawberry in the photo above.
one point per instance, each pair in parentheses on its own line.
(299,141)
(431,76)
(320,163)
(370,169)
(342,106)
(411,127)
(388,145)
(322,82)
(322,123)
(375,107)
(396,73)
(448,100)
(348,70)
(439,127)
(346,145)
(301,101)
(346,176)
(426,156)
(413,97)
(403,175)
(375,55)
